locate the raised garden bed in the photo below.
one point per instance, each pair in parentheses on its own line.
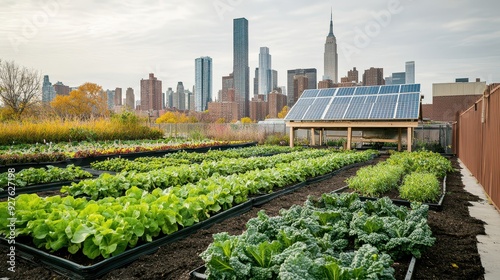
(95,270)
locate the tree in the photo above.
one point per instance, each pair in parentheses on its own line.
(20,87)
(282,114)
(246,120)
(87,101)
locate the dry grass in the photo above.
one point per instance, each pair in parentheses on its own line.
(73,130)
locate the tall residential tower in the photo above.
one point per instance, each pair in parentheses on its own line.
(241,71)
(410,72)
(203,83)
(331,56)
(151,97)
(265,72)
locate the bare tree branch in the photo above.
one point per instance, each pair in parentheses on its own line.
(20,87)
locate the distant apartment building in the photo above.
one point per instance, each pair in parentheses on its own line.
(398,78)
(353,75)
(61,89)
(118,96)
(130,99)
(258,108)
(48,91)
(169,95)
(300,83)
(256,82)
(110,97)
(311,75)
(226,109)
(151,94)
(276,102)
(203,83)
(410,72)
(227,84)
(326,83)
(448,99)
(179,97)
(373,77)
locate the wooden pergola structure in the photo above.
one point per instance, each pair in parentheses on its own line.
(350,125)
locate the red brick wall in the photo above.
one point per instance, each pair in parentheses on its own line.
(444,108)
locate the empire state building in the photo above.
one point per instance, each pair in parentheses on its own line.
(331,56)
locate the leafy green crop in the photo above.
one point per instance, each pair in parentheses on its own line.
(377,179)
(108,226)
(33,176)
(420,187)
(171,176)
(315,241)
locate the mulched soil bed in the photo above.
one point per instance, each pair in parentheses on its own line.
(454,256)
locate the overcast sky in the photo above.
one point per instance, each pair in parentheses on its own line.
(117,43)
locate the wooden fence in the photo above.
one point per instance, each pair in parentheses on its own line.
(478,131)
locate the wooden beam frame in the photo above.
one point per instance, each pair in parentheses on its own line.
(409,125)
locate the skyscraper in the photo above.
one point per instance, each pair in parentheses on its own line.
(410,72)
(241,70)
(331,56)
(130,99)
(110,98)
(256,82)
(180,97)
(310,73)
(265,72)
(203,83)
(118,96)
(151,98)
(169,98)
(48,91)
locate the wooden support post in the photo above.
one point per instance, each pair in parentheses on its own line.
(409,139)
(313,137)
(291,136)
(321,135)
(399,139)
(349,136)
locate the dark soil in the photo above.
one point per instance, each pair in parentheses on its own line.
(454,255)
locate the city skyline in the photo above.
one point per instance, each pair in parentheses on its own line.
(115,44)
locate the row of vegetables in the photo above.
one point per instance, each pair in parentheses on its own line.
(108,185)
(145,164)
(415,175)
(49,152)
(50,174)
(334,237)
(111,224)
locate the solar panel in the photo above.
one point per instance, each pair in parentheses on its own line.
(299,109)
(410,88)
(358,103)
(358,108)
(309,93)
(367,90)
(408,106)
(384,107)
(326,92)
(337,108)
(316,109)
(389,89)
(345,91)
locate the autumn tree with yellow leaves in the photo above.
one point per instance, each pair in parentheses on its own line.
(86,102)
(176,117)
(282,114)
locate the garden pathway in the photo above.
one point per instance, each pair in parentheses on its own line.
(489,244)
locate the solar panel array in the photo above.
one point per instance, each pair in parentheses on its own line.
(358,103)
